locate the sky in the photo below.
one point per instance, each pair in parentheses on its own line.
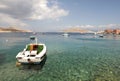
(57,15)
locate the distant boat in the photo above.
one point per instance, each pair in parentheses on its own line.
(32,53)
(95,33)
(34,33)
(101,35)
(65,34)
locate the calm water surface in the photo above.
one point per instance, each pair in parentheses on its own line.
(75,58)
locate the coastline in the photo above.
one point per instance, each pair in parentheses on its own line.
(12,29)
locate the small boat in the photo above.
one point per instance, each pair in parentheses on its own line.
(32,53)
(65,34)
(101,35)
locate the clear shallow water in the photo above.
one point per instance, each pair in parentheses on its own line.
(76,58)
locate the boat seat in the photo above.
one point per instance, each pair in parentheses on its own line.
(27,53)
(33,53)
(35,47)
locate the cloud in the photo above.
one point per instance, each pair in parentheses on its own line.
(109,26)
(41,10)
(97,28)
(85,26)
(20,10)
(8,20)
(2,6)
(101,27)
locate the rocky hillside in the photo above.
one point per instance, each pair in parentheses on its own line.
(12,29)
(76,30)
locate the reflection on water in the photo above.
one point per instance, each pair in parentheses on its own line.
(33,66)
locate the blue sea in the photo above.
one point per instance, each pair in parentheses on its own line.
(79,57)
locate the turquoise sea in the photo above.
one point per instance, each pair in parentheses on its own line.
(74,58)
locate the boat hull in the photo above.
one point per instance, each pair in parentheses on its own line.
(31,57)
(32,61)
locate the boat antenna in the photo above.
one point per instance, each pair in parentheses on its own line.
(36,40)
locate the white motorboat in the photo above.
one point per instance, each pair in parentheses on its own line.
(32,53)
